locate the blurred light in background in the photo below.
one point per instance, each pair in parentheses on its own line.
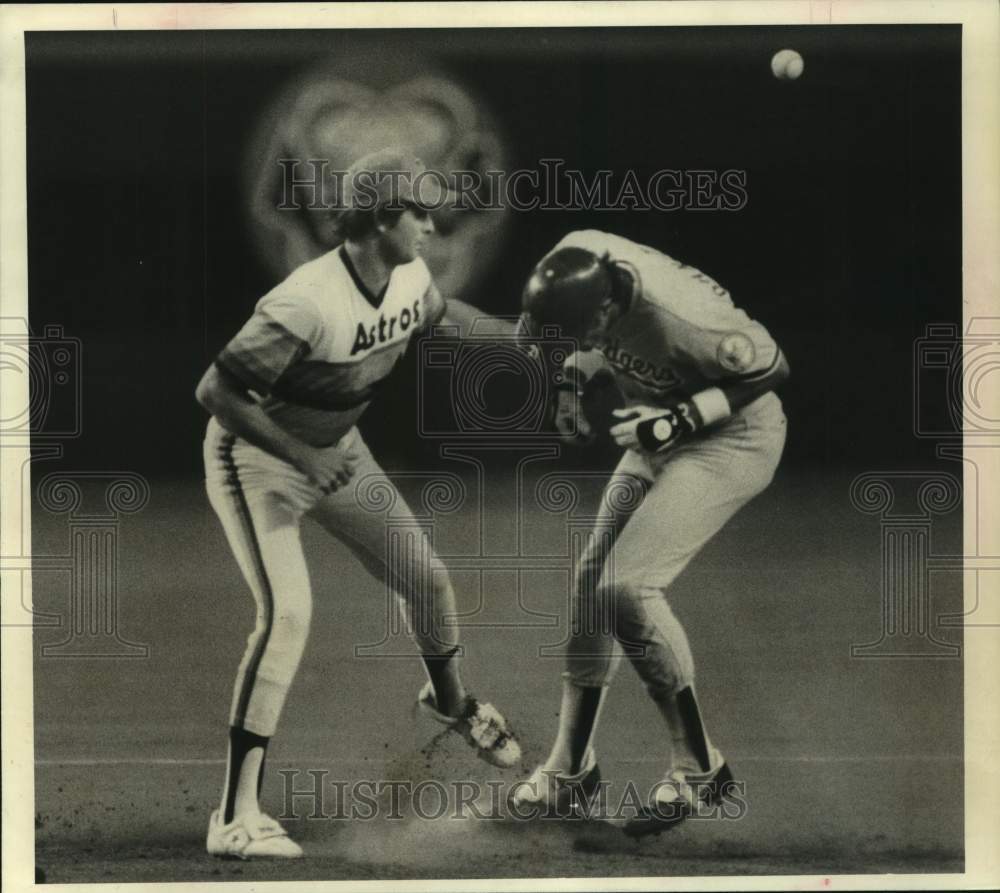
(343,108)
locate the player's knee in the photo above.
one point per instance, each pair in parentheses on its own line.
(662,673)
(618,599)
(652,639)
(593,610)
(290,625)
(438,585)
(628,619)
(590,671)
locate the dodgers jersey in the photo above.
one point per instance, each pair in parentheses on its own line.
(682,333)
(320,343)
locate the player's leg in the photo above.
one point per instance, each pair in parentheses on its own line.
(569,773)
(591,653)
(696,491)
(373,519)
(264,535)
(259,508)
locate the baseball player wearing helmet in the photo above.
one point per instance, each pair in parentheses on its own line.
(703,433)
(285,395)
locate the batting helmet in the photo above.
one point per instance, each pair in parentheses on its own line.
(566,289)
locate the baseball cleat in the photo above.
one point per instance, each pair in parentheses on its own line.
(481,725)
(250,837)
(678,797)
(555,792)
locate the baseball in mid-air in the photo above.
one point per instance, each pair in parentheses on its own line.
(787,65)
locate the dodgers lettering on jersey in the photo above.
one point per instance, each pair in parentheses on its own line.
(320,343)
(682,333)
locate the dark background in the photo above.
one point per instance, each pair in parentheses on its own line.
(849,245)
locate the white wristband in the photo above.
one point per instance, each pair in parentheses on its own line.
(712,405)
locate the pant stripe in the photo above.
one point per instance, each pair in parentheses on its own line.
(243,510)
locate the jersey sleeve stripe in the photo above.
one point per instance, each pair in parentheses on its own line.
(758,373)
(232,367)
(261,353)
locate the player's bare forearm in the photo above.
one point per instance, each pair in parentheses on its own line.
(465,318)
(228,401)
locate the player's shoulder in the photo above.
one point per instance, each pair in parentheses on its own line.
(680,290)
(320,272)
(303,289)
(416,273)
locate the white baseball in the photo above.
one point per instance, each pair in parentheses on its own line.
(787,65)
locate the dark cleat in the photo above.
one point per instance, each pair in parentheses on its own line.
(677,798)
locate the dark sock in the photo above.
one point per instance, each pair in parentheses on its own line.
(687,706)
(590,700)
(241,742)
(437,668)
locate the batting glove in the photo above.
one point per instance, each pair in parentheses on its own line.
(654,429)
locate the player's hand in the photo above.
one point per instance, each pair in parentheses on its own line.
(330,468)
(626,432)
(570,421)
(653,429)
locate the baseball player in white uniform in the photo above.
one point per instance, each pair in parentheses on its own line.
(703,433)
(285,395)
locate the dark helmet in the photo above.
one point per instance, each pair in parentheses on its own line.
(566,289)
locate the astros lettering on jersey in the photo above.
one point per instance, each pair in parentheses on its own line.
(320,343)
(682,333)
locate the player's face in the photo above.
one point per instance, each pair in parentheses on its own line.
(602,320)
(611,309)
(405,241)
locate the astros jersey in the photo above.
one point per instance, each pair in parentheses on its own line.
(682,333)
(320,343)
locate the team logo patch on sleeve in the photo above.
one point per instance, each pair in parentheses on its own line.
(736,352)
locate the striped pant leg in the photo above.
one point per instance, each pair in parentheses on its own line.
(261,518)
(371,517)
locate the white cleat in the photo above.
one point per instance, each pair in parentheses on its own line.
(557,793)
(250,837)
(481,725)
